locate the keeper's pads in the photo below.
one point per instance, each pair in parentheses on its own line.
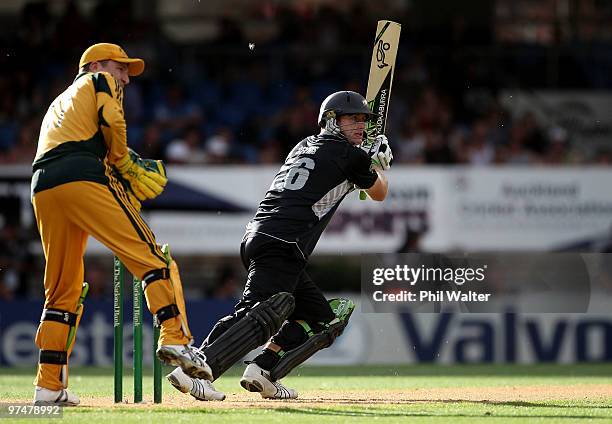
(163,291)
(50,336)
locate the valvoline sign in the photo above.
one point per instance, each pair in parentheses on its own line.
(370,338)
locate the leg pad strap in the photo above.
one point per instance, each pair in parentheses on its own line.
(166,313)
(57,357)
(155,275)
(57,315)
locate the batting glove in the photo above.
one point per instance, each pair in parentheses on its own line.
(382,157)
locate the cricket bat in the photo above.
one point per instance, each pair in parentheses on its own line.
(378,93)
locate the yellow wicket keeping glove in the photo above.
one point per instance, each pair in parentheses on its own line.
(147,178)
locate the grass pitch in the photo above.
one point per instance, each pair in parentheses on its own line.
(382,394)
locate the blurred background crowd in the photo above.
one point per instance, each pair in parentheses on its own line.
(207,98)
(240,82)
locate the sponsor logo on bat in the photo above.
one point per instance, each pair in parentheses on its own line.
(381,50)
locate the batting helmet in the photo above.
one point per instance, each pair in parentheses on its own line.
(343,103)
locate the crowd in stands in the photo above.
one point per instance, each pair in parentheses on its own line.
(221,102)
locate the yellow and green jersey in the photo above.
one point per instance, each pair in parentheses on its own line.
(83,128)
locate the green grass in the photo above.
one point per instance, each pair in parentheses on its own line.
(320,384)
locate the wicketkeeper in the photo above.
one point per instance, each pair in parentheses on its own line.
(281,305)
(87,182)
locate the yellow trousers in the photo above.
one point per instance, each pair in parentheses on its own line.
(66,215)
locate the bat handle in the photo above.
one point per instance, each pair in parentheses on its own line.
(362,193)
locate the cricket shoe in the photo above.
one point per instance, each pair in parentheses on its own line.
(192,361)
(256,379)
(196,387)
(44,396)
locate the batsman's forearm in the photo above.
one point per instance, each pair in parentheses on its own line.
(380,188)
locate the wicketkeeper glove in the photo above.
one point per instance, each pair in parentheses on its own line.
(146,177)
(380,152)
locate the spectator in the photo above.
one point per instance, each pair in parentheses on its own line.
(437,151)
(175,113)
(24,148)
(557,152)
(151,144)
(295,123)
(603,157)
(515,152)
(226,286)
(480,150)
(411,144)
(187,149)
(219,148)
(16,262)
(535,140)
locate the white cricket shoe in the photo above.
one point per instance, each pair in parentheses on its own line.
(44,396)
(196,387)
(191,360)
(256,379)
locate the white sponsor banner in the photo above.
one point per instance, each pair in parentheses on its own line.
(510,208)
(213,232)
(415,202)
(380,225)
(474,209)
(471,208)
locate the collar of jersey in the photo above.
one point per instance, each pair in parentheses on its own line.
(80,75)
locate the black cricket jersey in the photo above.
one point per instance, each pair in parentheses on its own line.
(318,173)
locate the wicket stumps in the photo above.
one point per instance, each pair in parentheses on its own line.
(118,277)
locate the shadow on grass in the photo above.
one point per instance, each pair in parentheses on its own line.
(522,404)
(383,414)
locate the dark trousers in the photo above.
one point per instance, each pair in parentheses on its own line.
(274,266)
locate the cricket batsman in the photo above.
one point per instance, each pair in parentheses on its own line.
(87,182)
(281,306)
